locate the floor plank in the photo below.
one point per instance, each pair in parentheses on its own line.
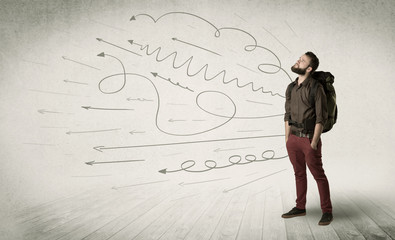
(205,212)
(365,225)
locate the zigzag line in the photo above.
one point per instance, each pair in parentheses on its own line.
(205,68)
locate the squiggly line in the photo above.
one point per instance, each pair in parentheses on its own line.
(217,34)
(169,13)
(211,164)
(205,69)
(158,103)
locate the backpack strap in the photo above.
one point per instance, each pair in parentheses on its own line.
(313,92)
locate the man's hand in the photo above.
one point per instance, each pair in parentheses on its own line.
(313,145)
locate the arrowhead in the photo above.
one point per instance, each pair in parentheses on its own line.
(154,73)
(171,120)
(163,171)
(68,132)
(41,111)
(86,107)
(130,41)
(132,18)
(98,148)
(174,39)
(132,132)
(90,163)
(225,191)
(217,150)
(101,54)
(181,184)
(66,80)
(99,39)
(63,57)
(115,188)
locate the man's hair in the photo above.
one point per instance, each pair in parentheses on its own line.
(314,62)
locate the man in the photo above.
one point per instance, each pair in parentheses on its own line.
(303,128)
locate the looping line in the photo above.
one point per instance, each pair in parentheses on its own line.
(234,160)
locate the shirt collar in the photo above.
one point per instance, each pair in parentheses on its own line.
(305,82)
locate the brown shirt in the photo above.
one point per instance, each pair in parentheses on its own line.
(297,105)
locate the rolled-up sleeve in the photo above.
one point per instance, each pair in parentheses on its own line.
(321,109)
(287,114)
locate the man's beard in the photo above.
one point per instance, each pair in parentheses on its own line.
(299,71)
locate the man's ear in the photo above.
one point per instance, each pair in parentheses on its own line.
(309,69)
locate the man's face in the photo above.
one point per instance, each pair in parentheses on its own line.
(300,67)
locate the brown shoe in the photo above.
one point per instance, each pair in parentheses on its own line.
(326,219)
(295,212)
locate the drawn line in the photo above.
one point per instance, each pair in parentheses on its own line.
(211,164)
(277,39)
(213,180)
(247,68)
(101,40)
(228,190)
(57,93)
(94,131)
(178,40)
(110,109)
(147,183)
(258,102)
(123,161)
(83,64)
(40,144)
(100,148)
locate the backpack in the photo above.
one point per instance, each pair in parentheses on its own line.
(326,79)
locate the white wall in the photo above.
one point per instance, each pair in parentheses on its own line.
(40,162)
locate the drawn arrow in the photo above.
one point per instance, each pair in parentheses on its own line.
(258,102)
(139,99)
(101,40)
(42,111)
(157,75)
(213,180)
(250,130)
(86,65)
(111,109)
(134,132)
(57,93)
(178,40)
(170,13)
(68,81)
(169,80)
(94,162)
(102,54)
(231,189)
(100,148)
(230,149)
(134,43)
(176,120)
(94,131)
(139,184)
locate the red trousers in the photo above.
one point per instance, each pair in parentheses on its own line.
(300,153)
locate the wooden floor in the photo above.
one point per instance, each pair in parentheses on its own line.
(204,211)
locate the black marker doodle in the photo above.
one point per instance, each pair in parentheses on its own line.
(211,164)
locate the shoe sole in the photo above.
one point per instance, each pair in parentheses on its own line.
(295,215)
(325,223)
